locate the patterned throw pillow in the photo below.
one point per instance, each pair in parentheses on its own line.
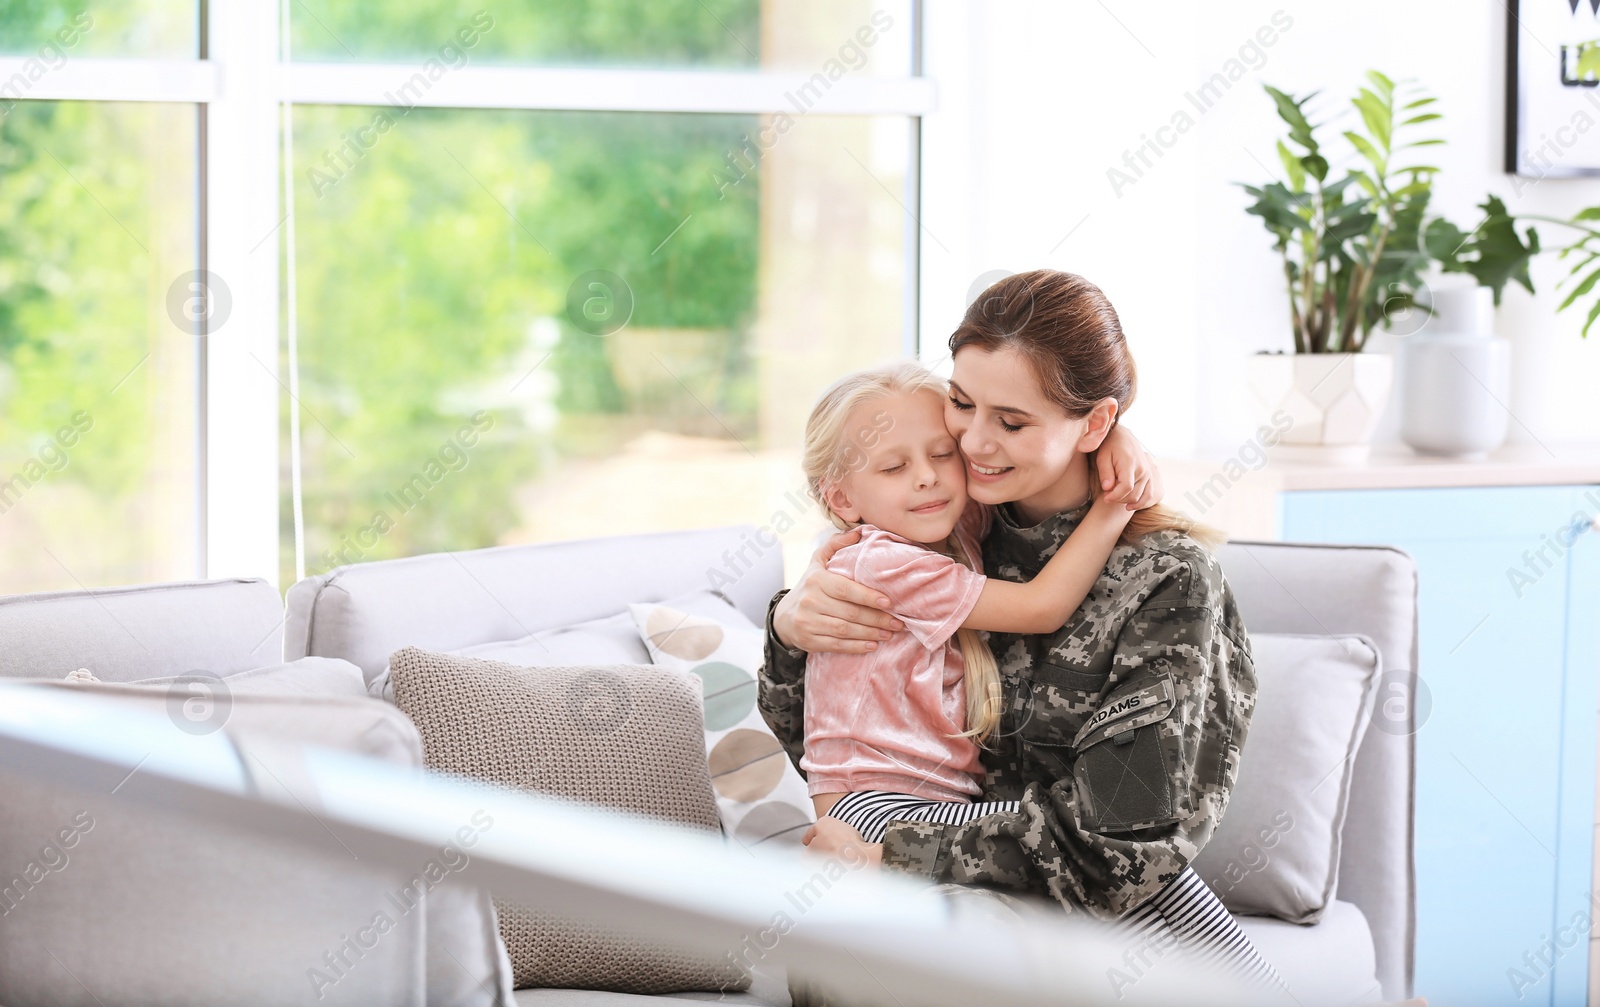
(760,795)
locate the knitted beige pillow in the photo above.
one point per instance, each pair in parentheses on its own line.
(628,737)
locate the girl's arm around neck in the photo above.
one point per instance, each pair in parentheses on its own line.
(1045,603)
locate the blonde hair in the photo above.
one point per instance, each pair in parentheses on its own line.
(832,452)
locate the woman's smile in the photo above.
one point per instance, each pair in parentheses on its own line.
(985,474)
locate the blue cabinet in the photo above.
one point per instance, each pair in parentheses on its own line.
(1510,662)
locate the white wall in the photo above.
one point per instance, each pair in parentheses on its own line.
(1039,99)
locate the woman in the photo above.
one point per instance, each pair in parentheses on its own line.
(1120,733)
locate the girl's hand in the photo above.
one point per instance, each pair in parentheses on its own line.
(832,837)
(1128,473)
(1112,513)
(825,611)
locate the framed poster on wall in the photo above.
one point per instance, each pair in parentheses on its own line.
(1553,88)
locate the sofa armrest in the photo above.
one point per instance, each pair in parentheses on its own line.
(1371,590)
(126,634)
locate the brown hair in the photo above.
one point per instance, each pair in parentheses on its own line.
(1066,330)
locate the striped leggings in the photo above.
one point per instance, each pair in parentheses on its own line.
(1186,913)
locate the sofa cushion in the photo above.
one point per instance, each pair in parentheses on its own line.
(1276,851)
(309,676)
(147,907)
(760,795)
(612,639)
(1331,962)
(624,737)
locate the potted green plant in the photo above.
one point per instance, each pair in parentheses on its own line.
(1352,254)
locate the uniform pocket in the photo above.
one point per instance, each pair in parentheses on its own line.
(1125,781)
(1058,701)
(1061,701)
(1052,716)
(1125,757)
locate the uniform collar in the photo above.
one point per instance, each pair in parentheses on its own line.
(1038,541)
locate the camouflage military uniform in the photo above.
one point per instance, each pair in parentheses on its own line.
(1120,734)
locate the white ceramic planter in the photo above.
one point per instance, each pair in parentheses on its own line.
(1333,400)
(1455,378)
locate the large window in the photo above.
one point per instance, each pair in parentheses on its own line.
(98,383)
(546,270)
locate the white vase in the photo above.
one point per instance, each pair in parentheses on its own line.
(1332,401)
(1456,378)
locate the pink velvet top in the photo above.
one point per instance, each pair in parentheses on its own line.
(883,720)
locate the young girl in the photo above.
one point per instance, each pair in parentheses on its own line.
(894,734)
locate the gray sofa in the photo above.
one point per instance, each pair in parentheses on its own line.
(451,601)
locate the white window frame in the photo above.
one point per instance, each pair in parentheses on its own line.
(239,86)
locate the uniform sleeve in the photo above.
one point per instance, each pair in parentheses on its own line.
(928,591)
(781,690)
(1139,786)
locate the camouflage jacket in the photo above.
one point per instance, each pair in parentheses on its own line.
(1120,735)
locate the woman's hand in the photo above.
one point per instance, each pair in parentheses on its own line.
(1128,473)
(832,837)
(825,611)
